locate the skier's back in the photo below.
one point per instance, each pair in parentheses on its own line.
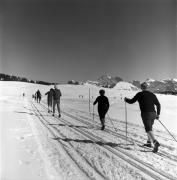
(103,106)
(38,96)
(50,99)
(56,99)
(147,102)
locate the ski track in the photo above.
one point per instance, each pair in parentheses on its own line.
(133,128)
(149,165)
(122,176)
(85,165)
(136,138)
(69,166)
(145,159)
(130,124)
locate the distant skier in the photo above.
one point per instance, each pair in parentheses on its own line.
(50,99)
(103,106)
(56,99)
(147,102)
(38,96)
(35,96)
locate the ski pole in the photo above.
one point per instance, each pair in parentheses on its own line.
(112,123)
(167,130)
(93,113)
(89,100)
(126,121)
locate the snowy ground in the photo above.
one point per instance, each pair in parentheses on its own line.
(37,146)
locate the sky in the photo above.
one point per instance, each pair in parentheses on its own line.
(58,41)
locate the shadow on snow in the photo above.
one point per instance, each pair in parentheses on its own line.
(100,143)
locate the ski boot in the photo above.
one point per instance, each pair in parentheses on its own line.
(156,146)
(148,144)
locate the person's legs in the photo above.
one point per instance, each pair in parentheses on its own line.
(103,123)
(58,107)
(54,103)
(155,142)
(48,103)
(102,119)
(150,136)
(148,120)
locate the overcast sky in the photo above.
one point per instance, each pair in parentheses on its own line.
(62,40)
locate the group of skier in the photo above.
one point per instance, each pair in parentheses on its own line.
(38,96)
(53,100)
(147,102)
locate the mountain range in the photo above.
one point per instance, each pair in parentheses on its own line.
(166,86)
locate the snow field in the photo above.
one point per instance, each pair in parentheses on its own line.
(74,147)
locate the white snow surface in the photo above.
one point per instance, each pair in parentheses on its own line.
(37,146)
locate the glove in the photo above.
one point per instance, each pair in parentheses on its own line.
(125,99)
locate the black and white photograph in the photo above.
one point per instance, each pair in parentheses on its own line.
(88,90)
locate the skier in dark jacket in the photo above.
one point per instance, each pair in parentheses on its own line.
(38,96)
(56,99)
(50,99)
(147,102)
(103,106)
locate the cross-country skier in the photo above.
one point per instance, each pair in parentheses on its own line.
(56,99)
(38,96)
(50,99)
(103,106)
(147,102)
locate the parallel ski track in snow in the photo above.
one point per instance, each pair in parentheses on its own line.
(130,124)
(162,174)
(161,153)
(129,158)
(86,174)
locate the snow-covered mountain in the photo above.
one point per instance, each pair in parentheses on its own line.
(124,86)
(91,83)
(166,86)
(108,81)
(149,80)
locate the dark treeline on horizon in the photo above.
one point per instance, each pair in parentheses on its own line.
(6,77)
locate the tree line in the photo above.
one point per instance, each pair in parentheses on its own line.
(6,77)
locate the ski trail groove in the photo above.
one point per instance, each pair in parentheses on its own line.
(76,155)
(161,153)
(123,123)
(135,162)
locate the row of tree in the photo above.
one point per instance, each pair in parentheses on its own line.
(6,77)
